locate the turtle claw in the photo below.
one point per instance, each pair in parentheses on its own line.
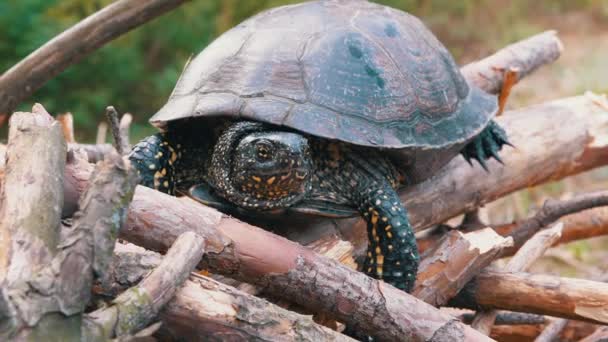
(486,145)
(497,157)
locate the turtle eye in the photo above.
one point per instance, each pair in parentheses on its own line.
(263,150)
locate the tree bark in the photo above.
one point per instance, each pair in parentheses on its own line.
(69,47)
(454,261)
(578,226)
(287,269)
(135,308)
(47,302)
(32,194)
(574,331)
(525,257)
(525,56)
(542,294)
(205,307)
(600,335)
(552,331)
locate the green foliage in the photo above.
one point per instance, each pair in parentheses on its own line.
(136,72)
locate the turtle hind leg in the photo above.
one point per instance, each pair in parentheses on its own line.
(392,254)
(154,159)
(486,145)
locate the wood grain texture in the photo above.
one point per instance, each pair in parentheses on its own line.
(577,299)
(521,261)
(32,194)
(205,307)
(525,56)
(455,260)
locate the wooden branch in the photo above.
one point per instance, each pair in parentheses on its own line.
(102,131)
(542,294)
(94,153)
(287,269)
(600,335)
(137,307)
(125,125)
(51,301)
(544,152)
(552,331)
(552,210)
(205,307)
(454,261)
(574,331)
(525,257)
(509,318)
(69,47)
(526,56)
(32,194)
(578,226)
(121,137)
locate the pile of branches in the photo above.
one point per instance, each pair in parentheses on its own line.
(77,231)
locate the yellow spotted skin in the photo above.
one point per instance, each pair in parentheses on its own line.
(155,160)
(255,167)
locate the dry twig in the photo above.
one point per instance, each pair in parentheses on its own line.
(552,331)
(525,257)
(205,307)
(138,306)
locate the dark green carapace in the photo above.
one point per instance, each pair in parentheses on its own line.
(324,108)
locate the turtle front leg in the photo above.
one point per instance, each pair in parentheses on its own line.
(392,254)
(154,158)
(486,145)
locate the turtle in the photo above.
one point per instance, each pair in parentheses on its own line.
(324,108)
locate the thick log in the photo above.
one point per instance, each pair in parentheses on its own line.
(542,294)
(205,307)
(138,306)
(287,269)
(69,47)
(525,56)
(51,301)
(525,257)
(454,261)
(32,194)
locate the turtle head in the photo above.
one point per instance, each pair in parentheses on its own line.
(260,167)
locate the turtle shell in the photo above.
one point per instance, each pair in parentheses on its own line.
(355,71)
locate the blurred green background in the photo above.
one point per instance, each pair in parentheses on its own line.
(136,72)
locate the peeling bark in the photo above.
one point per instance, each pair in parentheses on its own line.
(454,261)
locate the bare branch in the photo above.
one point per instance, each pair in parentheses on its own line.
(526,56)
(137,307)
(536,293)
(205,307)
(69,47)
(552,331)
(525,257)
